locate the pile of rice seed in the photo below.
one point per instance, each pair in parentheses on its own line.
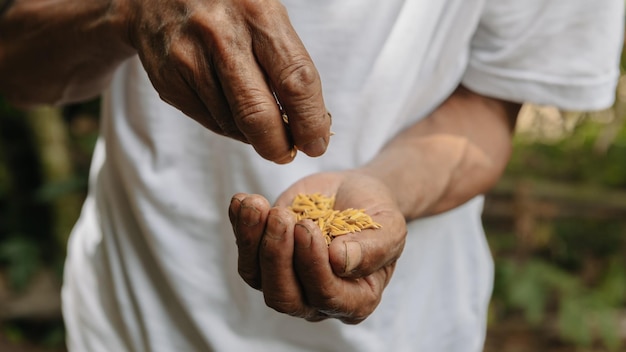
(333,223)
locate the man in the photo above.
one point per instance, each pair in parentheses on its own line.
(423,96)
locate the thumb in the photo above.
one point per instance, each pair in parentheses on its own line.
(348,258)
(359,256)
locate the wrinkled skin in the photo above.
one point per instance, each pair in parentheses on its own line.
(291,264)
(220,61)
(438,163)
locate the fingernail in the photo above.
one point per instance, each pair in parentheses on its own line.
(250,216)
(353,256)
(315,148)
(231,214)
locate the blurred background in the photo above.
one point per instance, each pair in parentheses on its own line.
(556,224)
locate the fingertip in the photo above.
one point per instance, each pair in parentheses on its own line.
(337,257)
(237,198)
(345,257)
(280,224)
(234,206)
(250,215)
(312,135)
(303,234)
(316,147)
(313,234)
(287,157)
(246,211)
(354,256)
(254,201)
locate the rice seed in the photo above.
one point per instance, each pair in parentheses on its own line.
(320,209)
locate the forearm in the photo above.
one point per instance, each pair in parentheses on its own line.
(449,157)
(58,51)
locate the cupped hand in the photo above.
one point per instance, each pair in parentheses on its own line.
(291,263)
(221,62)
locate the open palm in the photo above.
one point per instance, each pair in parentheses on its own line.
(291,263)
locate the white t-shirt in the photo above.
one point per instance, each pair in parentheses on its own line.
(152,262)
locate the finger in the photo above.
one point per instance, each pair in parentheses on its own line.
(281,288)
(361,254)
(233,210)
(203,78)
(182,78)
(350,300)
(181,96)
(244,85)
(321,286)
(248,216)
(254,109)
(297,84)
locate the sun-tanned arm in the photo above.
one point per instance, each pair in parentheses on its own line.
(58,51)
(218,61)
(456,153)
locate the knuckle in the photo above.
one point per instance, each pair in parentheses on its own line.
(251,124)
(181,50)
(209,18)
(250,114)
(258,8)
(218,29)
(299,78)
(311,126)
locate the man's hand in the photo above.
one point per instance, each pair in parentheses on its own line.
(221,61)
(440,162)
(294,268)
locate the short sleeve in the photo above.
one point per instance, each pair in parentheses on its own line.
(564,53)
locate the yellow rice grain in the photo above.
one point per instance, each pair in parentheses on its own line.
(320,209)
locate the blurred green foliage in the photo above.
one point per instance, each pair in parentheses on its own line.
(570,282)
(24,221)
(31,205)
(573,159)
(571,279)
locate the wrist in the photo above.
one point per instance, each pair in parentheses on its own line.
(405,187)
(419,171)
